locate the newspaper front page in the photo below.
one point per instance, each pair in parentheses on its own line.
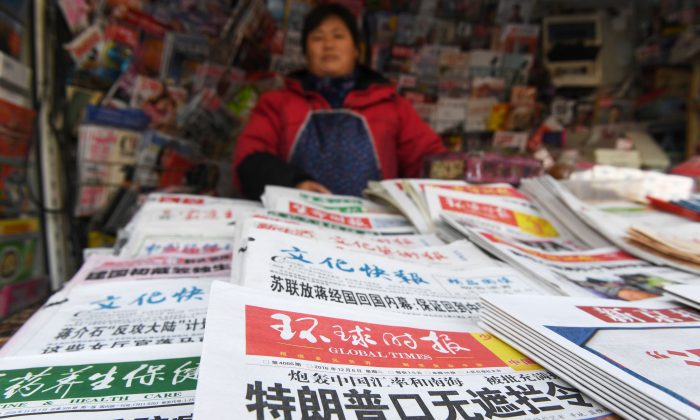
(647,351)
(268,357)
(306,269)
(116,315)
(180,223)
(420,249)
(193,240)
(127,384)
(511,215)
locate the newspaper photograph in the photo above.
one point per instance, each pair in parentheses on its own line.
(115,316)
(267,357)
(306,269)
(126,384)
(648,348)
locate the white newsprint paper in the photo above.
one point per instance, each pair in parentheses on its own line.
(116,315)
(640,358)
(127,384)
(402,247)
(271,357)
(310,270)
(180,223)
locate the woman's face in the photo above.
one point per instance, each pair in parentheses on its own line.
(330,50)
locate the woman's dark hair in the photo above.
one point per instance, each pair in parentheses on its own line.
(322,12)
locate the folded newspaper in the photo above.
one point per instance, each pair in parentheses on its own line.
(339,212)
(184,224)
(136,383)
(116,315)
(603,272)
(271,357)
(639,359)
(502,210)
(677,242)
(547,193)
(407,196)
(297,267)
(613,218)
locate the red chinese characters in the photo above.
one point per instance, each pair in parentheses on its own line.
(277,333)
(623,315)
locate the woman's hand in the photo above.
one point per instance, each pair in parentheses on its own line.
(313,186)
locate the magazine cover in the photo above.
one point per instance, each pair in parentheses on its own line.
(182,54)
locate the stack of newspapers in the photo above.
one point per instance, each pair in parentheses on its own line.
(308,306)
(617,212)
(639,359)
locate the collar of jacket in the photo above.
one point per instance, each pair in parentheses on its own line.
(371,87)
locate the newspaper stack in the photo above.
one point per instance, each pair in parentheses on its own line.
(603,272)
(677,242)
(550,195)
(114,342)
(486,212)
(407,196)
(125,334)
(613,217)
(500,208)
(637,358)
(270,357)
(352,316)
(182,223)
(686,294)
